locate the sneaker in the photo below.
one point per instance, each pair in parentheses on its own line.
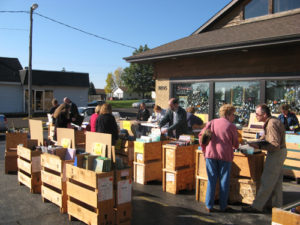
(250,209)
(211,210)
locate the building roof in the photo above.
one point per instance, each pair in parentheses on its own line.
(285,29)
(9,69)
(100,91)
(56,78)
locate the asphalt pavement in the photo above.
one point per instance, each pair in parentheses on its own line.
(151,206)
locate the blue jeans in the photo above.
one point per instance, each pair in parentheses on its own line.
(217,169)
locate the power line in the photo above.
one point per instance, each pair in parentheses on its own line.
(74,28)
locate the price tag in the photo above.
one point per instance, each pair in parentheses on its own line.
(139,147)
(127,125)
(66,142)
(97,148)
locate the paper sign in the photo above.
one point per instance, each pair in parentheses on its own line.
(203,117)
(139,147)
(139,157)
(170,177)
(124,191)
(66,143)
(127,125)
(99,149)
(105,188)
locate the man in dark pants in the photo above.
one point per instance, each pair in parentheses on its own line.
(176,117)
(74,114)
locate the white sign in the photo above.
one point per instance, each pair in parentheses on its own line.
(105,188)
(124,191)
(170,177)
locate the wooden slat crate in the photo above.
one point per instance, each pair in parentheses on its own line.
(200,164)
(53,176)
(123,196)
(79,139)
(145,172)
(90,195)
(250,134)
(178,157)
(292,162)
(201,186)
(284,216)
(243,190)
(145,152)
(10,157)
(247,166)
(29,168)
(126,152)
(175,181)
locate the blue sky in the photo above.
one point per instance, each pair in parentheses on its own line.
(132,22)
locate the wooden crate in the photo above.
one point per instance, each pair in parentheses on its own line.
(175,181)
(178,157)
(123,196)
(29,168)
(248,166)
(201,186)
(10,157)
(243,190)
(145,172)
(53,176)
(145,152)
(292,162)
(284,216)
(251,134)
(200,164)
(79,139)
(90,195)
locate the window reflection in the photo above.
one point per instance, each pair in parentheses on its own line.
(284,5)
(283,92)
(243,95)
(192,94)
(256,8)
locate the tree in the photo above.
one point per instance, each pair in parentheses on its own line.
(139,77)
(92,89)
(110,84)
(118,77)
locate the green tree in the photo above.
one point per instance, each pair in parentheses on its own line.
(110,84)
(92,89)
(139,77)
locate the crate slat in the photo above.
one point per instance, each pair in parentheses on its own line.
(52,196)
(51,179)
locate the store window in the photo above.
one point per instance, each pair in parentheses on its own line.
(256,8)
(243,95)
(284,5)
(283,92)
(193,94)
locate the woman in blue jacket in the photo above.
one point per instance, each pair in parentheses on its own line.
(288,118)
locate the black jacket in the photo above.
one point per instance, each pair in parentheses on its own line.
(106,123)
(180,126)
(143,115)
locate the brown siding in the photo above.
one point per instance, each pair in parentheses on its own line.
(163,93)
(266,61)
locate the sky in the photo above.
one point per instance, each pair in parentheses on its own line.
(130,22)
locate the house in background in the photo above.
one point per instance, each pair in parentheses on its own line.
(100,95)
(122,93)
(46,85)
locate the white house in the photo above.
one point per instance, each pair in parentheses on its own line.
(46,85)
(122,93)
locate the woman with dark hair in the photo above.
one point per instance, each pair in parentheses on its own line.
(106,123)
(62,117)
(289,119)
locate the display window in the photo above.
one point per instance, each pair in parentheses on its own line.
(193,94)
(243,95)
(284,5)
(280,92)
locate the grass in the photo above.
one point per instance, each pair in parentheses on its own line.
(121,103)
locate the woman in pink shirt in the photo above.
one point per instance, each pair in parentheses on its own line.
(94,118)
(219,155)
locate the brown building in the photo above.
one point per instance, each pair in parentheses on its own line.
(246,54)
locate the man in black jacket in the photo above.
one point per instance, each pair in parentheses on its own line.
(176,117)
(143,113)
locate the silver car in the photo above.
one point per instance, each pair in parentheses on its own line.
(3,123)
(148,102)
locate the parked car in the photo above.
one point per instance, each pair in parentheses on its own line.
(95,103)
(148,103)
(3,122)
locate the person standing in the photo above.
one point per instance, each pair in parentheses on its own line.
(288,118)
(270,190)
(94,117)
(219,155)
(55,105)
(143,113)
(106,123)
(176,117)
(193,121)
(62,117)
(74,114)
